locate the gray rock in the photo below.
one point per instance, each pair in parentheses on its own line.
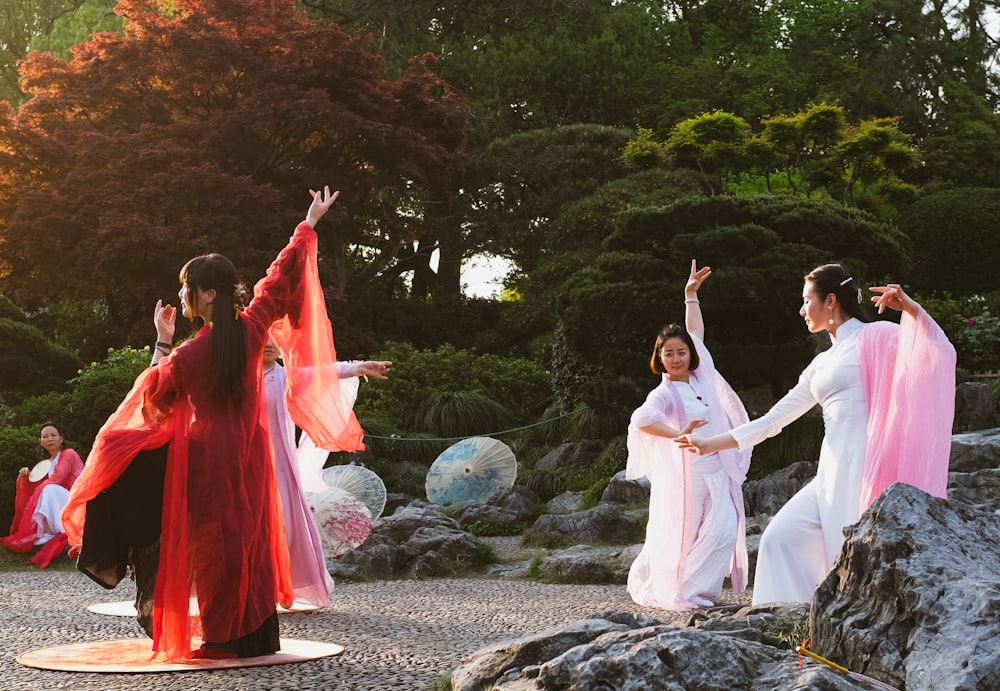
(581,454)
(980,489)
(603,524)
(417,541)
(769,494)
(975,450)
(974,406)
(582,564)
(913,597)
(494,516)
(478,672)
(567,502)
(518,499)
(622,491)
(624,651)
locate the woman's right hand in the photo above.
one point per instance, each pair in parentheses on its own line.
(164,319)
(23,472)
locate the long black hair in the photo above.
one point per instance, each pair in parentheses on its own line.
(833,278)
(229,334)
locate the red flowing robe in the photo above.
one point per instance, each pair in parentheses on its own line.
(222,536)
(23,529)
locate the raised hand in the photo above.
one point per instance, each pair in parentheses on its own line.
(321,203)
(894,297)
(164,319)
(696,278)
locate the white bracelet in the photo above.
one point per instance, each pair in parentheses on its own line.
(694,300)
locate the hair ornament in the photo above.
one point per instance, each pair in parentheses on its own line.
(240,297)
(846,281)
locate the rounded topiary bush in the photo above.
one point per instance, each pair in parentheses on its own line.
(955,242)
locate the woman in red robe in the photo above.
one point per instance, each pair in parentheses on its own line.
(38,503)
(222,539)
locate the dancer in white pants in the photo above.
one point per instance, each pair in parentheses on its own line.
(696,535)
(888,395)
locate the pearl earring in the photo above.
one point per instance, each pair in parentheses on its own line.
(830,322)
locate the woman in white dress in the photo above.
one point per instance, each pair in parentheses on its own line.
(298,468)
(887,394)
(695,536)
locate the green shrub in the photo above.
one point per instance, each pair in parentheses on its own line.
(100,388)
(18,448)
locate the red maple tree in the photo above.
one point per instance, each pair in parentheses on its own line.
(199,129)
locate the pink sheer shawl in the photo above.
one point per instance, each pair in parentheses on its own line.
(908,373)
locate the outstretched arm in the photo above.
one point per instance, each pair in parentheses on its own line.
(693,321)
(706,445)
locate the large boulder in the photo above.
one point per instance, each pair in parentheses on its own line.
(913,598)
(974,406)
(581,454)
(770,493)
(622,491)
(619,650)
(417,541)
(603,524)
(975,451)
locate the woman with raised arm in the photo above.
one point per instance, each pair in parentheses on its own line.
(696,535)
(222,538)
(888,399)
(299,469)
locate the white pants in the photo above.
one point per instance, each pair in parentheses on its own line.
(711,531)
(48,512)
(792,559)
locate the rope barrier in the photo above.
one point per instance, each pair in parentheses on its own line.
(396,437)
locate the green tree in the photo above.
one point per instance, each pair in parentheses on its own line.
(759,250)
(29,363)
(23,23)
(191,132)
(713,143)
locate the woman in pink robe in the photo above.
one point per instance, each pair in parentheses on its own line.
(696,532)
(298,467)
(888,399)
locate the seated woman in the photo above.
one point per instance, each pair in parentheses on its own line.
(38,503)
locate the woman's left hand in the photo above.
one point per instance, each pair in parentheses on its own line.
(692,426)
(894,297)
(321,203)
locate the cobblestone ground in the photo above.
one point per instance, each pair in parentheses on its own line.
(397,635)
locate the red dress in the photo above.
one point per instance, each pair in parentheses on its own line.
(23,529)
(222,535)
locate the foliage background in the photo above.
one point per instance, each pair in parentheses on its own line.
(596,145)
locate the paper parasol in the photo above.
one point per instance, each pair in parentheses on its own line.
(471,470)
(343,520)
(359,482)
(40,470)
